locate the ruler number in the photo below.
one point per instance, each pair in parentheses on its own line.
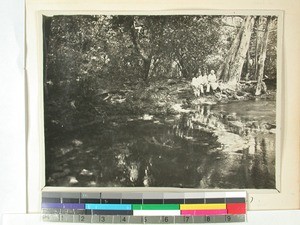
(102,219)
(166,219)
(186,219)
(145,219)
(208,219)
(123,219)
(82,218)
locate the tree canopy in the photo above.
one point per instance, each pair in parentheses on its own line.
(87,56)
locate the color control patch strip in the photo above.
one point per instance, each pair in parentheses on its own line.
(148,207)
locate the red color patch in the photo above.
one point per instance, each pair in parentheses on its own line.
(236,208)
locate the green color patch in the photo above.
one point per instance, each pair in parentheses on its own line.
(155,206)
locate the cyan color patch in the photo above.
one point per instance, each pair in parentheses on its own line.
(108,206)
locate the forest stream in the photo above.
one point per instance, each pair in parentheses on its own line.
(185,101)
(228,145)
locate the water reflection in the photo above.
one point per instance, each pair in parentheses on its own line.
(208,147)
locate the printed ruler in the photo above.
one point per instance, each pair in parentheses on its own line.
(144,208)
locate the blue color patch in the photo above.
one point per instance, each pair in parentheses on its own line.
(52,205)
(72,206)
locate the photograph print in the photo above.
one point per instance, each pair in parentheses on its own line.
(183,101)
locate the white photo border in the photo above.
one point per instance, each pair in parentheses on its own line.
(258,199)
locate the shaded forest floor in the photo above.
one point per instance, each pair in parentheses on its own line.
(170,97)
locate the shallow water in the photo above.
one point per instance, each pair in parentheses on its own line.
(209,146)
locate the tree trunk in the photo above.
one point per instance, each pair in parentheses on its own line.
(183,69)
(175,69)
(146,68)
(248,68)
(263,43)
(259,41)
(146,59)
(230,71)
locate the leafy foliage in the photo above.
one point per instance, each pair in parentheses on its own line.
(89,60)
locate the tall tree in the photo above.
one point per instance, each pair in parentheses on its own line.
(262,42)
(146,35)
(230,71)
(190,40)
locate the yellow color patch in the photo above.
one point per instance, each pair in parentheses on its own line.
(202,206)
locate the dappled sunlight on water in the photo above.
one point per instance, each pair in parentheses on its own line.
(208,146)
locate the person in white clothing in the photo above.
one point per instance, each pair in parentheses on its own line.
(195,84)
(198,84)
(212,81)
(204,80)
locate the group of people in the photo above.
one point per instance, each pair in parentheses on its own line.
(204,83)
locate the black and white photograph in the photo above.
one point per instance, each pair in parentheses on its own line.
(177,100)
